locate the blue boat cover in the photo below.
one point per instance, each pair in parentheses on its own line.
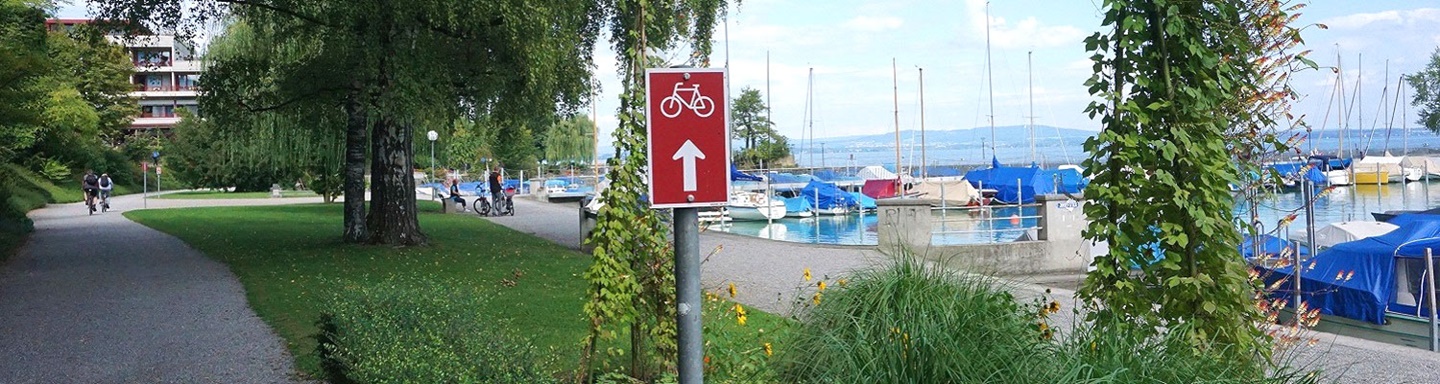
(1292,171)
(864,202)
(795,204)
(1365,295)
(1020,184)
(789,178)
(1272,246)
(736,175)
(824,195)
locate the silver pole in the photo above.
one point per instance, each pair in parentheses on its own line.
(432,171)
(1430,281)
(145,188)
(687,293)
(1309,234)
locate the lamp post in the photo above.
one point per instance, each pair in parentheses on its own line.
(432,135)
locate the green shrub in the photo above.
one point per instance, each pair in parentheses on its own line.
(911,323)
(421,332)
(914,323)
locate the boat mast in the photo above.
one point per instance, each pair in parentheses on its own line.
(923,165)
(1030,76)
(895,87)
(810,108)
(990,77)
(1340,114)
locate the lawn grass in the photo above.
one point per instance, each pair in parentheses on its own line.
(197,195)
(290,259)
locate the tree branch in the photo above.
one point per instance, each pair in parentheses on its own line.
(292,13)
(292,100)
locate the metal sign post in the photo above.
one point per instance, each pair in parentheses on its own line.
(145,185)
(1430,282)
(687,120)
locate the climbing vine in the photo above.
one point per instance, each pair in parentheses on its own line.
(1186,89)
(632,278)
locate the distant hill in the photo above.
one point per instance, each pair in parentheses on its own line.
(1009,136)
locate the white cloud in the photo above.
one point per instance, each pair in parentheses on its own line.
(1391,17)
(1029,33)
(865,23)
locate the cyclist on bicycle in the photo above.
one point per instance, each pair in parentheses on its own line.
(106,186)
(91,185)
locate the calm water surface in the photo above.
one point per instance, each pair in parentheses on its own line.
(1352,203)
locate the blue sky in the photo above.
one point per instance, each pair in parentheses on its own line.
(850,45)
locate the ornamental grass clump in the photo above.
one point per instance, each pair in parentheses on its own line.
(421,332)
(913,323)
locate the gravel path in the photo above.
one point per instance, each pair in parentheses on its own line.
(102,299)
(767,275)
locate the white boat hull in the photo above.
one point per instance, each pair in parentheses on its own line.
(1338,177)
(756,213)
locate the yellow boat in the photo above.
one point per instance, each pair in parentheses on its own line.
(1372,177)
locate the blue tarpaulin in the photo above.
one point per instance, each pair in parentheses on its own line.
(795,204)
(824,195)
(1271,246)
(864,202)
(789,178)
(1292,171)
(1020,184)
(1357,279)
(736,175)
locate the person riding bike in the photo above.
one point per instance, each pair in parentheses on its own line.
(106,186)
(91,185)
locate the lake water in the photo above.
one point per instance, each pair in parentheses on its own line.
(1351,203)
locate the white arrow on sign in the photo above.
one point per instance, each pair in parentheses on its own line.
(689,152)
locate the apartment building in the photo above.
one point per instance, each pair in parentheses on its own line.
(166,72)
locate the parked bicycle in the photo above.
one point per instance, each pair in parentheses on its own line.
(504,207)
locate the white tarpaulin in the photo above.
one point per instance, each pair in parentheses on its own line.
(953,192)
(1341,232)
(875,172)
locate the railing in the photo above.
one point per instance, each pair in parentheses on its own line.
(987,219)
(164,88)
(152,63)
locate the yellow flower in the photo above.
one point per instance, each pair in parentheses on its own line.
(768,351)
(740,319)
(1054,307)
(732,290)
(739,310)
(807,274)
(816,299)
(821,284)
(842,282)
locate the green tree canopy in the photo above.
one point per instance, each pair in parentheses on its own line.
(1427,92)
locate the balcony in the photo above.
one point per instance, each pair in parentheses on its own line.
(165,88)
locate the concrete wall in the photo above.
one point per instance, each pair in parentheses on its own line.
(1059,248)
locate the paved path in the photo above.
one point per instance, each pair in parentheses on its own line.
(101,299)
(768,276)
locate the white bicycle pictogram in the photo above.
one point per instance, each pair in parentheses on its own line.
(702,105)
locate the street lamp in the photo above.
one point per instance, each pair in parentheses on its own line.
(432,135)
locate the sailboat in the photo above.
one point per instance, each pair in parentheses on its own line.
(1019,185)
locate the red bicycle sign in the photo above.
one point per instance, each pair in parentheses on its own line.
(700,104)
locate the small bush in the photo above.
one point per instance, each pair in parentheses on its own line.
(420,332)
(914,323)
(910,323)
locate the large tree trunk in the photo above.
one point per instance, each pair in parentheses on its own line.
(393,219)
(355,124)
